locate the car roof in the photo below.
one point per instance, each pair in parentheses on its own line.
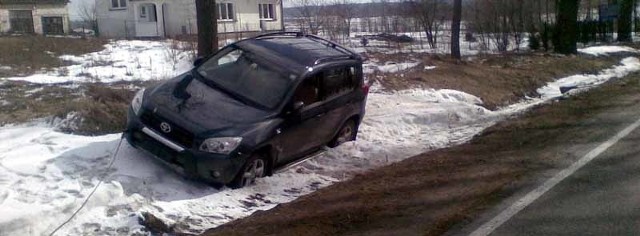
(298,52)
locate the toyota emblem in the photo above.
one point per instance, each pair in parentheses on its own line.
(165,127)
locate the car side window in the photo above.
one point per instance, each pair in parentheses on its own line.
(308,91)
(338,81)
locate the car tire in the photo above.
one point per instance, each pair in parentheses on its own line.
(347,133)
(255,167)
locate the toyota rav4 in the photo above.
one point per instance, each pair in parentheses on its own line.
(251,108)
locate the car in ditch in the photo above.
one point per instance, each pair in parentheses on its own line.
(252,107)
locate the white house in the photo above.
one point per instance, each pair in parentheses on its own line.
(168,18)
(34,16)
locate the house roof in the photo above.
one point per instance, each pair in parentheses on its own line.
(19,2)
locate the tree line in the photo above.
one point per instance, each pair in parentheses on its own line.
(547,24)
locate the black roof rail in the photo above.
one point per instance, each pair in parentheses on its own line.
(321,60)
(283,33)
(333,45)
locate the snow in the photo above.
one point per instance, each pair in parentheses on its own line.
(605,50)
(373,65)
(45,175)
(628,65)
(120,60)
(392,67)
(5,67)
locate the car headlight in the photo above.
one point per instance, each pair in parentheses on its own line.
(136,103)
(220,145)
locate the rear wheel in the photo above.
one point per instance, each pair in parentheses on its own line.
(347,133)
(255,167)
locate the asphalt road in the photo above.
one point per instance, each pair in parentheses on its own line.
(600,198)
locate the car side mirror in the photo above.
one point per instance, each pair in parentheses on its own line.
(297,106)
(295,113)
(198,61)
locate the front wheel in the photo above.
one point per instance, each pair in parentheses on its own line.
(255,167)
(347,133)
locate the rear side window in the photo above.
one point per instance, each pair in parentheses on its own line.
(308,91)
(338,81)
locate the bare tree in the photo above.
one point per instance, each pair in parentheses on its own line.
(309,14)
(429,15)
(455,29)
(345,12)
(504,20)
(87,13)
(207,21)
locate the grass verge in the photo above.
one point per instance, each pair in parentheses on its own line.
(498,80)
(86,109)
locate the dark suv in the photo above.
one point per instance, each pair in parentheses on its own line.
(252,107)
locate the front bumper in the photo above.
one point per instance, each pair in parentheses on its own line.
(189,161)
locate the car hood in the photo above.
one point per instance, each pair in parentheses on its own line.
(204,111)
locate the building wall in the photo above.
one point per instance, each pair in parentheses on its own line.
(48,11)
(114,23)
(180,17)
(37,11)
(4,20)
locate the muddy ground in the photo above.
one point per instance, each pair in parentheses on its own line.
(435,192)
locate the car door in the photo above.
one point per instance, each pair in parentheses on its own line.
(305,130)
(339,86)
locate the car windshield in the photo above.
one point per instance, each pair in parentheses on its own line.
(238,72)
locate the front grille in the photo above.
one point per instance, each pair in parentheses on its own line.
(177,134)
(156,148)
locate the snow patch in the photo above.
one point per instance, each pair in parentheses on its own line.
(388,67)
(605,50)
(553,89)
(120,60)
(392,67)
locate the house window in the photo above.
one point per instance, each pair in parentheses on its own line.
(143,12)
(118,4)
(266,11)
(225,11)
(21,21)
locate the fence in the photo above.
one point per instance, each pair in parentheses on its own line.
(340,31)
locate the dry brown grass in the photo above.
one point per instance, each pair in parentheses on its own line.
(102,107)
(498,79)
(28,54)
